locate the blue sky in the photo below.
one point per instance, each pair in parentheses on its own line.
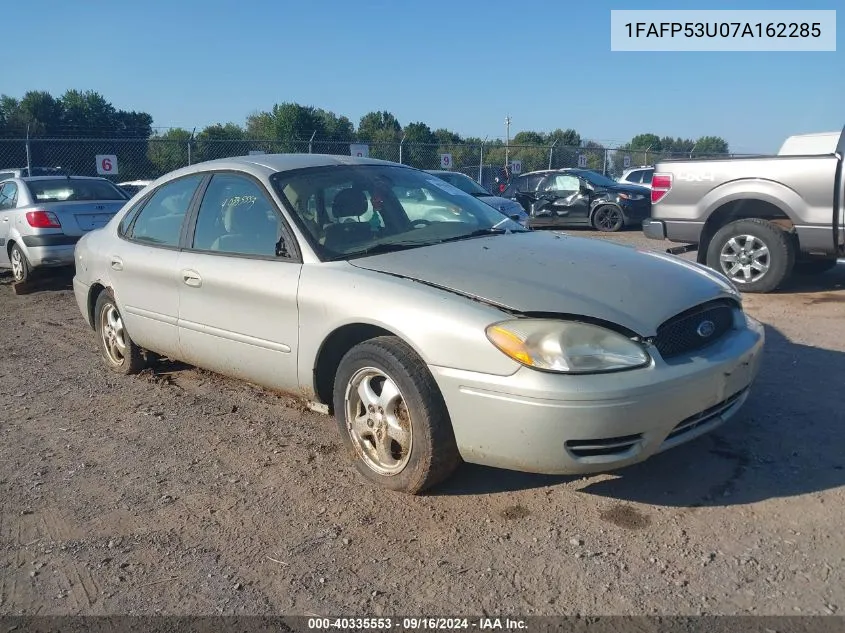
(459,64)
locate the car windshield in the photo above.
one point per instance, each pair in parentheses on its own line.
(595,178)
(73,190)
(355,210)
(467,185)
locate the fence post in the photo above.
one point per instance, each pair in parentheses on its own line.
(190,142)
(481,163)
(401,143)
(28,154)
(311,140)
(551,152)
(604,165)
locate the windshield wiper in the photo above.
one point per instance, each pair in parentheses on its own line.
(481,233)
(384,247)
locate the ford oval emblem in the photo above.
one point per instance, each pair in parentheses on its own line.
(705,329)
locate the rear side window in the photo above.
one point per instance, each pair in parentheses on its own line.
(647,175)
(160,221)
(635,176)
(8,195)
(73,190)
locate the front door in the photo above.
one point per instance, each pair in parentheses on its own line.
(238,281)
(143,266)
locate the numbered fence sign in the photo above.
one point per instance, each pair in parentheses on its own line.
(445,161)
(361,150)
(106,164)
(626,162)
(516,166)
(582,160)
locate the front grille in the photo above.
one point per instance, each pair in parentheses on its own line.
(689,331)
(703,418)
(603,446)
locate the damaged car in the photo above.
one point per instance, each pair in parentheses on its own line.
(433,329)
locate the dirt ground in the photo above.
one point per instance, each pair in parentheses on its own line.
(182,492)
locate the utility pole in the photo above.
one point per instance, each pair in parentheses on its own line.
(507,138)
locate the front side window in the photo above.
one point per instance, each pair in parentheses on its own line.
(160,221)
(236,217)
(74,190)
(352,210)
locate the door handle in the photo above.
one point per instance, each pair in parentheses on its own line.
(191,278)
(116,263)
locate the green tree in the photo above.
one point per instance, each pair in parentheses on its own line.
(168,151)
(382,132)
(220,141)
(420,148)
(711,146)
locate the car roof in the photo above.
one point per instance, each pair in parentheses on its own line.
(272,163)
(40,178)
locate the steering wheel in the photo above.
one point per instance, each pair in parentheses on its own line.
(420,222)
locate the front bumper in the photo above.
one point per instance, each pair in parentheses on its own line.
(548,423)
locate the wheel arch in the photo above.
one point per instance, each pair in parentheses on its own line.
(94,293)
(742,209)
(334,347)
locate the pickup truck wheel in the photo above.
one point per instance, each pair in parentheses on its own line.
(608,218)
(814,267)
(392,417)
(754,254)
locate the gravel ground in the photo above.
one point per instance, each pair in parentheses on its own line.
(182,492)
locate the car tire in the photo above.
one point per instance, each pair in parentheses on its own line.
(736,243)
(608,218)
(117,348)
(403,439)
(21,270)
(814,266)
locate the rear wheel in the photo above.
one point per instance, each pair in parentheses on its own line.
(21,270)
(608,219)
(118,350)
(754,254)
(392,417)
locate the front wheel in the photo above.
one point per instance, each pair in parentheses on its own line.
(392,417)
(754,254)
(608,219)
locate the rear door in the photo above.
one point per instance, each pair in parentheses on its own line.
(563,200)
(143,264)
(237,285)
(8,202)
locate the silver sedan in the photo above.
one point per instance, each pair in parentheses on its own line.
(42,217)
(433,329)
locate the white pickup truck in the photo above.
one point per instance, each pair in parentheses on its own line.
(756,219)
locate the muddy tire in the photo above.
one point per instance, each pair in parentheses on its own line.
(608,218)
(21,270)
(756,255)
(117,348)
(392,417)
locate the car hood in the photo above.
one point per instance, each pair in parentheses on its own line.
(558,274)
(501,203)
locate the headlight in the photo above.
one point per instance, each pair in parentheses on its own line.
(566,346)
(631,196)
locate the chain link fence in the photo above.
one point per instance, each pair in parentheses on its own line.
(147,159)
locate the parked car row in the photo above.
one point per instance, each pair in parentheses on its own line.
(431,326)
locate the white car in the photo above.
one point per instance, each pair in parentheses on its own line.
(637,176)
